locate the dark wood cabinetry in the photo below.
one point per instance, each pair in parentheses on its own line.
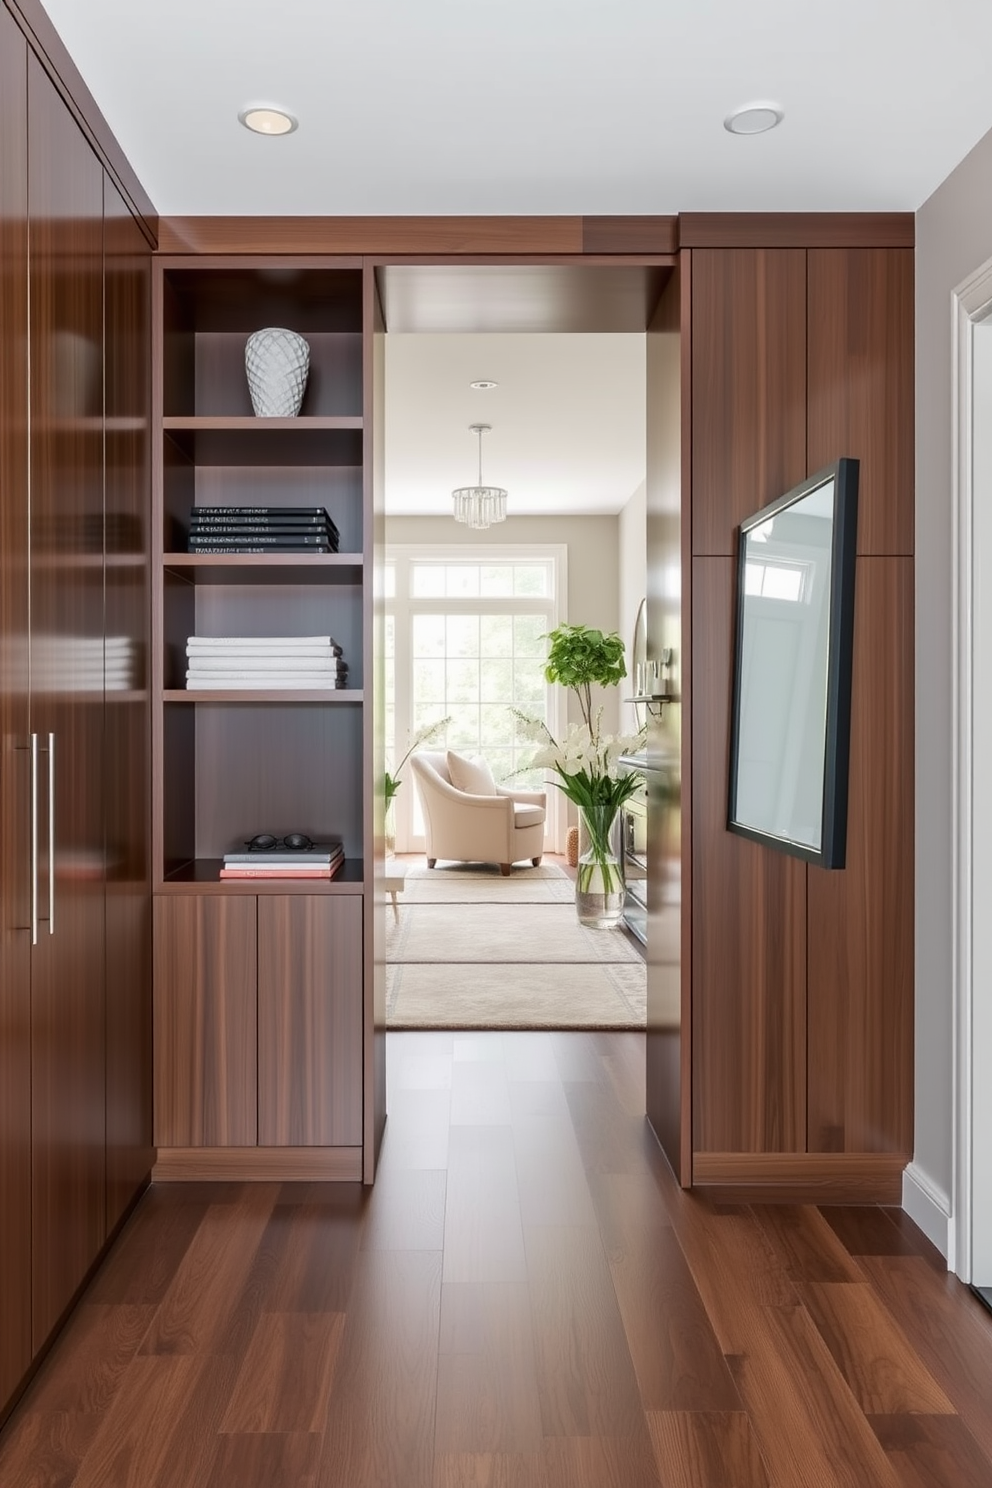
(74,972)
(802,981)
(281,959)
(15,827)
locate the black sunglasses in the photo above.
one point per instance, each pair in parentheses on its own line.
(265,842)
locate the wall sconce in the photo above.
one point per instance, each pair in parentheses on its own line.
(653,683)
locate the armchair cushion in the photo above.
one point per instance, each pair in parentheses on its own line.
(473,776)
(526,815)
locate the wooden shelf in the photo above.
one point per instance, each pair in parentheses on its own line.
(267,695)
(265,568)
(202,875)
(238,423)
(234,439)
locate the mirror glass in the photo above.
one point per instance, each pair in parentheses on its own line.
(792,684)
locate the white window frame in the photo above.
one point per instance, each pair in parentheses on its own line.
(402,607)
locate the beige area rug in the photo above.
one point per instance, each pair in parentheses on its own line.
(475,950)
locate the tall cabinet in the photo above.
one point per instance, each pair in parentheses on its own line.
(75,969)
(259,985)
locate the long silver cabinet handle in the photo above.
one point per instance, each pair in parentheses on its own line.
(51,834)
(34,839)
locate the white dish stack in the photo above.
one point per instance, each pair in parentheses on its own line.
(263,663)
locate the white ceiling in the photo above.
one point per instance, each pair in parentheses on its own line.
(536,106)
(568,420)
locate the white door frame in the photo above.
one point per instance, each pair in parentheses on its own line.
(971,724)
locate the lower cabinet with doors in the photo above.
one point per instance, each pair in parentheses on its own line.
(258,1035)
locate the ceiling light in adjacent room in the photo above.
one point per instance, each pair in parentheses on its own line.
(756,118)
(483,385)
(268,121)
(479,506)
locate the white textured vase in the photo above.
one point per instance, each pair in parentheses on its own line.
(277,362)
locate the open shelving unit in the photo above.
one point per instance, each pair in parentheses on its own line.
(259,984)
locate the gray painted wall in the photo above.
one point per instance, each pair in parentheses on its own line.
(953,239)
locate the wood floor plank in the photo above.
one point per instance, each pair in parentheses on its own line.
(141,1265)
(489,1470)
(949,1330)
(417,1129)
(270,1461)
(84,1373)
(601,1462)
(578,1058)
(45,1449)
(809,1428)
(877,1230)
(483,1047)
(629,1209)
(677,1358)
(933,1451)
(552,1185)
(206,1292)
(530,1056)
(483,1234)
(479,1093)
(808,1248)
(162,1426)
(487,1395)
(872,1353)
(316,1243)
(407,1213)
(285,1380)
(586,1380)
(607,1133)
(380,1420)
(706,1449)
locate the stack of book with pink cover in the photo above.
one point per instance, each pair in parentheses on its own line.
(321,861)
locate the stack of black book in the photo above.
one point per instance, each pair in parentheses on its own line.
(261,529)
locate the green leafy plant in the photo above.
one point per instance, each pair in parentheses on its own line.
(425,735)
(581,658)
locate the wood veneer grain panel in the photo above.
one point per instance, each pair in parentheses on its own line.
(860,332)
(630,234)
(127,453)
(861,919)
(66,77)
(65,203)
(748,386)
(15,848)
(749,927)
(309,1021)
(796,229)
(205,1021)
(373,235)
(250,1164)
(801,1177)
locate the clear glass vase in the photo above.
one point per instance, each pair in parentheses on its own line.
(599,885)
(389,828)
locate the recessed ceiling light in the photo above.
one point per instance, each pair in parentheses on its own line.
(483,385)
(756,118)
(268,121)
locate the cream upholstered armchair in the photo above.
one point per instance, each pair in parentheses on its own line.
(470,818)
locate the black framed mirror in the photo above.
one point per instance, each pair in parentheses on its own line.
(790,722)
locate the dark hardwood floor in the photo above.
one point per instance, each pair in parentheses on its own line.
(525,1300)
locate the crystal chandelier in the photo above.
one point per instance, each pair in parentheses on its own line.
(479,506)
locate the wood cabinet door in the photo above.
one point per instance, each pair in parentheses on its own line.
(204,1021)
(127,397)
(15,852)
(65,207)
(309,1021)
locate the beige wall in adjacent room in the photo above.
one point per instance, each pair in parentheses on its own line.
(593,567)
(633,579)
(953,239)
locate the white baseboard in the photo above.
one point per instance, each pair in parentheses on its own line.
(930,1208)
